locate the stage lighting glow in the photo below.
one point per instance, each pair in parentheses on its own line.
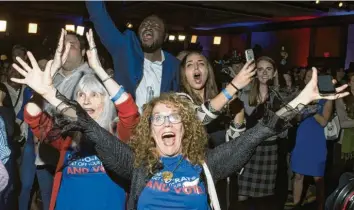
(181,37)
(194,39)
(32,28)
(129,25)
(80,30)
(70,28)
(3,25)
(217,40)
(171,37)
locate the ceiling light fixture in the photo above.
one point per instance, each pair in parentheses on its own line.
(70,28)
(217,40)
(3,24)
(171,37)
(129,25)
(32,28)
(181,37)
(194,39)
(80,30)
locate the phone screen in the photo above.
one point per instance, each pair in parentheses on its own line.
(249,55)
(325,85)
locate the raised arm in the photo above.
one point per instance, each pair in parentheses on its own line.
(115,90)
(344,120)
(234,154)
(210,110)
(124,102)
(39,121)
(110,36)
(115,155)
(241,80)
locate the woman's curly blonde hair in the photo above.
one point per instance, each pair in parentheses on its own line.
(194,142)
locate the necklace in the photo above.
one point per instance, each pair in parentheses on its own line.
(168,175)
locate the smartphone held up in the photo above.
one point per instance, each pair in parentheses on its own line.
(325,85)
(249,55)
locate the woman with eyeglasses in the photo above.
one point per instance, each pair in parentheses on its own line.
(167,163)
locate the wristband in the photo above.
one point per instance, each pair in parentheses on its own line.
(103,81)
(232,84)
(118,94)
(226,94)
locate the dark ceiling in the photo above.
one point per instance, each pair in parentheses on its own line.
(182,15)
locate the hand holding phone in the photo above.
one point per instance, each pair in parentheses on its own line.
(249,55)
(325,85)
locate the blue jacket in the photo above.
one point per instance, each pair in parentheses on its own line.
(127,54)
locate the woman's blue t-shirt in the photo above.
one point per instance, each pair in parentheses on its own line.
(184,191)
(85,185)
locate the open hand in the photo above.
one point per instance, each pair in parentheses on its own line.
(60,57)
(40,81)
(245,76)
(92,55)
(311,93)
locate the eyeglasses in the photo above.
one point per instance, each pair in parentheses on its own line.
(161,119)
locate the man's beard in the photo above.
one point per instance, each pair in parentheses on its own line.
(152,48)
(71,65)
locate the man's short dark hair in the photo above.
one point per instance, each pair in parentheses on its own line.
(82,40)
(19,47)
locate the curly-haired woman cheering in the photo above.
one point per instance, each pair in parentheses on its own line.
(168,164)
